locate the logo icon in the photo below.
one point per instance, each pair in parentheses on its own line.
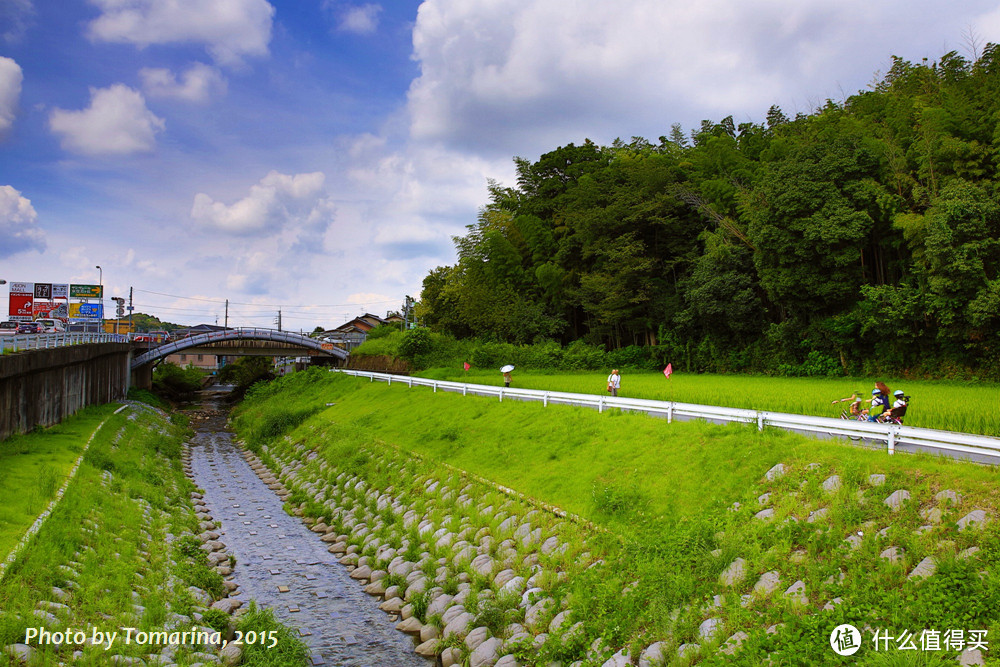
(845,639)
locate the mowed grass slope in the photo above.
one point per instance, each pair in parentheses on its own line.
(34,466)
(566,455)
(667,494)
(947,405)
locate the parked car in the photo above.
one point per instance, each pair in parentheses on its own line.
(29,328)
(8,328)
(50,325)
(157,337)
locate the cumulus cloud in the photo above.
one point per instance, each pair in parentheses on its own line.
(198,84)
(419,197)
(520,75)
(117,122)
(230,29)
(278,202)
(362,20)
(19,231)
(254,273)
(10,92)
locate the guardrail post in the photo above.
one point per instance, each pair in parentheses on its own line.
(388,379)
(465,389)
(545,400)
(435,386)
(600,405)
(409,382)
(670,412)
(892,440)
(760,421)
(501,394)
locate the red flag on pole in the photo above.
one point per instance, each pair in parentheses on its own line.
(668,370)
(466,365)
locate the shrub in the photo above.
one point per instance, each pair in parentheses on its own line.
(382,331)
(581,356)
(415,341)
(176,383)
(632,356)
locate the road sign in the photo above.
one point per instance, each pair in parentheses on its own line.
(86,311)
(86,291)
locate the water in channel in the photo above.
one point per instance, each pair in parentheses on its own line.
(274,551)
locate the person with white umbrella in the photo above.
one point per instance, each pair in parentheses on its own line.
(506,374)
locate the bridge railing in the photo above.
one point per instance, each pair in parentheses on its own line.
(980,448)
(248,333)
(49,340)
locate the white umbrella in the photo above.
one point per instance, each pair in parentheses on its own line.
(507,369)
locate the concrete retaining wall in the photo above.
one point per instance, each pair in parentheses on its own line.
(43,387)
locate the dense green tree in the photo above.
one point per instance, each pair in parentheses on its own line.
(863,235)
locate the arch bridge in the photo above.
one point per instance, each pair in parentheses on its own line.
(239,342)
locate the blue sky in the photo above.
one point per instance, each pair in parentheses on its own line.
(318,155)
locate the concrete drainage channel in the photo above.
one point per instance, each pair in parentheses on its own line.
(280,563)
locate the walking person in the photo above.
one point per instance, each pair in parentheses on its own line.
(614,382)
(506,374)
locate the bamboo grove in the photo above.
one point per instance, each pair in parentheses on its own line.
(862,237)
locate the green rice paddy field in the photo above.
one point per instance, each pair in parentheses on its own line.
(947,405)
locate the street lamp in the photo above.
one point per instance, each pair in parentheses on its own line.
(101,283)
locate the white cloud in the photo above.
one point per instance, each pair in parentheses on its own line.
(362,20)
(278,202)
(19,231)
(198,84)
(518,76)
(117,122)
(363,298)
(10,92)
(229,29)
(254,273)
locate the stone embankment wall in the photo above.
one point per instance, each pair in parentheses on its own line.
(80,597)
(472,573)
(43,387)
(378,364)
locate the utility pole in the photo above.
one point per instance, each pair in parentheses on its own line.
(279,319)
(227,313)
(130,310)
(408,312)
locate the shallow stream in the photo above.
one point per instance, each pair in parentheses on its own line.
(284,566)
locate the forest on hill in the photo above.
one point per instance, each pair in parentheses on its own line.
(861,238)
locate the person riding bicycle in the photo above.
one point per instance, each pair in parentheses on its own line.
(854,408)
(898,409)
(880,402)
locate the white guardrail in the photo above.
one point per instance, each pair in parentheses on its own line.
(981,448)
(44,341)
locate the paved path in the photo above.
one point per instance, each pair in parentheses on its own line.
(274,552)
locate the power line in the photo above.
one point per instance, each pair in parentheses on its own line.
(266,305)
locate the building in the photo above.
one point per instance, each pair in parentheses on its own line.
(207,362)
(351,334)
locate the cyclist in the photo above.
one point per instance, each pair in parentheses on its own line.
(880,402)
(898,409)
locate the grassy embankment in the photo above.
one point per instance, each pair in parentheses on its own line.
(35,466)
(946,405)
(119,549)
(667,491)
